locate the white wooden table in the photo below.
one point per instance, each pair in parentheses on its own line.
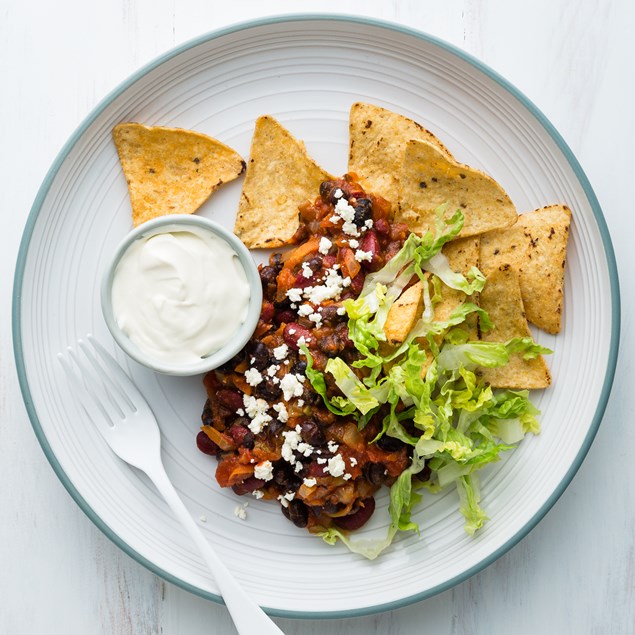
(574,573)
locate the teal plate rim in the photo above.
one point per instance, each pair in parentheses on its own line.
(301,17)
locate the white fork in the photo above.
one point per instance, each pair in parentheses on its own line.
(122,415)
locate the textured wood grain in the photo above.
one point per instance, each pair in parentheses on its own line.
(575,573)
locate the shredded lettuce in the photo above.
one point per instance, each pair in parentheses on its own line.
(427,390)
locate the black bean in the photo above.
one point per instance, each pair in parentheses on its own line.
(390,444)
(299,368)
(330,315)
(374,473)
(331,344)
(315,263)
(363,211)
(298,513)
(259,356)
(286,478)
(312,433)
(425,474)
(206,417)
(268,390)
(275,261)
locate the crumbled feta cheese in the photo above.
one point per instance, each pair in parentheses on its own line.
(294,294)
(353,461)
(256,409)
(310,482)
(341,310)
(307,272)
(361,255)
(369,223)
(332,446)
(291,441)
(302,341)
(292,385)
(300,402)
(305,448)
(305,309)
(283,501)
(240,511)
(291,331)
(353,243)
(281,409)
(253,376)
(240,412)
(336,465)
(280,352)
(257,493)
(264,471)
(317,318)
(325,245)
(338,193)
(272,370)
(321,461)
(347,476)
(203,519)
(298,467)
(289,496)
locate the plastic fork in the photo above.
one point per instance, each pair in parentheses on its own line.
(123,417)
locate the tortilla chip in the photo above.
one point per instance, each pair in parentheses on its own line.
(462,254)
(280,176)
(403,313)
(536,246)
(171,170)
(378,139)
(429,179)
(502,300)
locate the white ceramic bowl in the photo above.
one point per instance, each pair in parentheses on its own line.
(181,222)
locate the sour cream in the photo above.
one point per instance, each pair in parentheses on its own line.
(180,295)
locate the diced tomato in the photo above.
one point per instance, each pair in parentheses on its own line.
(230,471)
(350,266)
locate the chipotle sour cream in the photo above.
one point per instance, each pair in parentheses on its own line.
(180,295)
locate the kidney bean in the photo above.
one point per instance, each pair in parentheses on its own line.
(341,330)
(382,226)
(206,445)
(328,261)
(392,250)
(247,486)
(293,332)
(267,312)
(230,399)
(315,469)
(357,284)
(370,243)
(399,231)
(242,436)
(360,517)
(284,317)
(302,283)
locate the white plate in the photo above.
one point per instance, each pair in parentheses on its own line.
(306,72)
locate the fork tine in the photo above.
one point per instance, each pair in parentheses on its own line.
(87,399)
(118,375)
(113,390)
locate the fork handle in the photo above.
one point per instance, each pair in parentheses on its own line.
(248,617)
